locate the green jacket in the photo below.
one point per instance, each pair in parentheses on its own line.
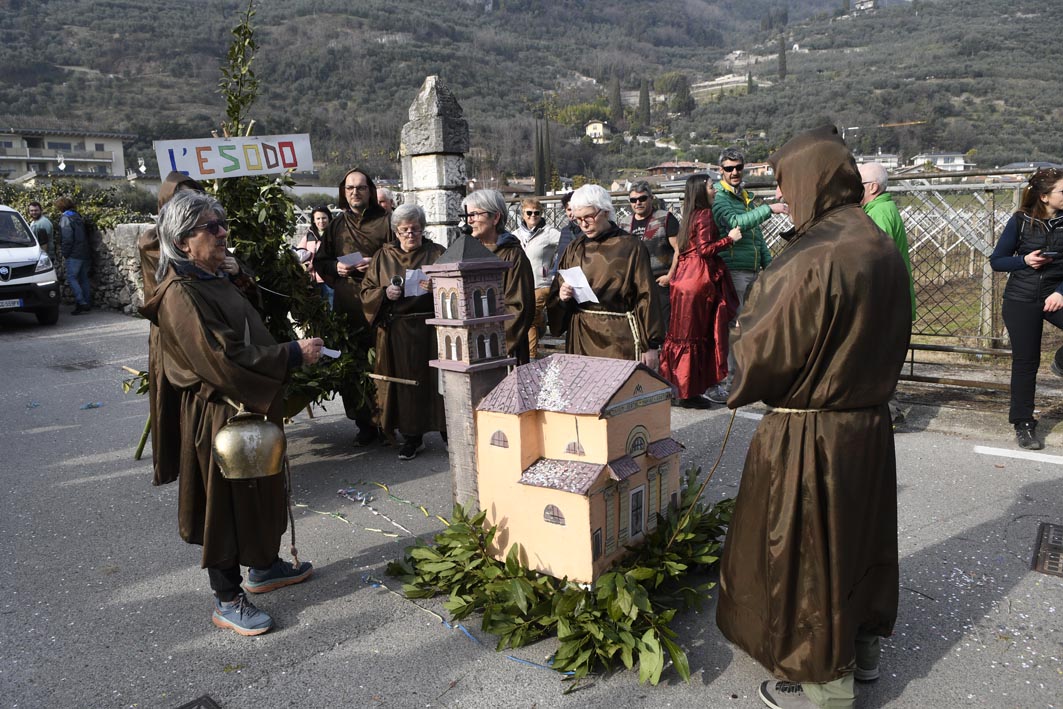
(730,210)
(883,211)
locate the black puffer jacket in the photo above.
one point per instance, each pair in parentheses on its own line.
(1024,235)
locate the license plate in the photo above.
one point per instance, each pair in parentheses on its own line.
(13,303)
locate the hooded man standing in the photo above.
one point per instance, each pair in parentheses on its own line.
(809,573)
(362,227)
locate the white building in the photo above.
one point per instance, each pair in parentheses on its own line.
(946,162)
(61,151)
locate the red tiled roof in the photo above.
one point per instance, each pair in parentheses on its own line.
(570,384)
(623,467)
(566,475)
(663,448)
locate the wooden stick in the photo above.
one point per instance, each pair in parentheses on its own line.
(135,372)
(395,380)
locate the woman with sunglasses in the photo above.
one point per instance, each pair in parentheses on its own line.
(539,240)
(1030,249)
(217,353)
(485,213)
(694,355)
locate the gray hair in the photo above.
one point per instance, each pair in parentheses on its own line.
(642,187)
(176,220)
(733,154)
(874,172)
(593,196)
(388,194)
(489,201)
(406,213)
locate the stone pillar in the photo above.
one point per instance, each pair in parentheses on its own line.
(433,147)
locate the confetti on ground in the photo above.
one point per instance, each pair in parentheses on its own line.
(92,405)
(33,404)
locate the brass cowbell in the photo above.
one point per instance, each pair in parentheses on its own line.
(249,446)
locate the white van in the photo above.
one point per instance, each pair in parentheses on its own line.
(27,276)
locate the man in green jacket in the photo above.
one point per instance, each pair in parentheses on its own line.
(733,208)
(879,205)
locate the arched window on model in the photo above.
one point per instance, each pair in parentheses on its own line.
(637,440)
(489,302)
(553,515)
(477,303)
(499,440)
(450,348)
(455,314)
(444,306)
(481,346)
(493,347)
(458,357)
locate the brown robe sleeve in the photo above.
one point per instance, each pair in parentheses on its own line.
(518,286)
(377,278)
(203,348)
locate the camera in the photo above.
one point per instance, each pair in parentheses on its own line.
(398,281)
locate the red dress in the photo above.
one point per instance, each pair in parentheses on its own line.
(694,354)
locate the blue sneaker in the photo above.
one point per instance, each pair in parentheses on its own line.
(242,616)
(279,575)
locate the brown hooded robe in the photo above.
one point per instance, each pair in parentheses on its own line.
(213,344)
(518,294)
(404,343)
(811,555)
(347,233)
(618,270)
(165,442)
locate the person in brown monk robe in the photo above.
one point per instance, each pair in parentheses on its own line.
(809,572)
(361,227)
(626,321)
(485,212)
(404,343)
(217,352)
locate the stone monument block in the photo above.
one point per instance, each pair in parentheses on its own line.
(430,172)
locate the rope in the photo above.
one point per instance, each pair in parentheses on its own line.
(632,322)
(701,490)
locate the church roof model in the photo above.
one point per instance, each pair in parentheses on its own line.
(570,384)
(464,249)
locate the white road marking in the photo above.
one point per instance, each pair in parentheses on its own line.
(1023,455)
(750,415)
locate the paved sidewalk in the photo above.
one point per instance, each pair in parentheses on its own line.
(106,607)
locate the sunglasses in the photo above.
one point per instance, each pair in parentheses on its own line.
(638,200)
(532,214)
(733,168)
(214,226)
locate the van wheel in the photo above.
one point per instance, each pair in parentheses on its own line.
(49,316)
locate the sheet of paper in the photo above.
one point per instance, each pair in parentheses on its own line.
(351,259)
(326,352)
(413,282)
(576,278)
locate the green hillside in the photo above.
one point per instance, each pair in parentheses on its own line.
(347,72)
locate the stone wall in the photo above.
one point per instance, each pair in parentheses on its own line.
(115,274)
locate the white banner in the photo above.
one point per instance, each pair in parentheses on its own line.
(218,158)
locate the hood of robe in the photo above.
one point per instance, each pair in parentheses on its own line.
(174,181)
(373,209)
(816,173)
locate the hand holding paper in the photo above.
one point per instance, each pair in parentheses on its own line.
(413,282)
(577,279)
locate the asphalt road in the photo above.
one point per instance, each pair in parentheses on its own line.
(104,606)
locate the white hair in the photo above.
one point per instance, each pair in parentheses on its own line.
(874,172)
(593,196)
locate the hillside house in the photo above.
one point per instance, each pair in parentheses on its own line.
(946,162)
(575,459)
(598,131)
(32,149)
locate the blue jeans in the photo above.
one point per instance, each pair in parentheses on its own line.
(327,293)
(743,281)
(77,276)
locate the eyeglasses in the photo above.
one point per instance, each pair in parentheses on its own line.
(588,219)
(476,215)
(214,226)
(356,188)
(409,232)
(532,214)
(638,200)
(733,168)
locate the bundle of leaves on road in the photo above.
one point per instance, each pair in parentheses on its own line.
(623,617)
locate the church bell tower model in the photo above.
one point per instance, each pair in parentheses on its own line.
(470,321)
